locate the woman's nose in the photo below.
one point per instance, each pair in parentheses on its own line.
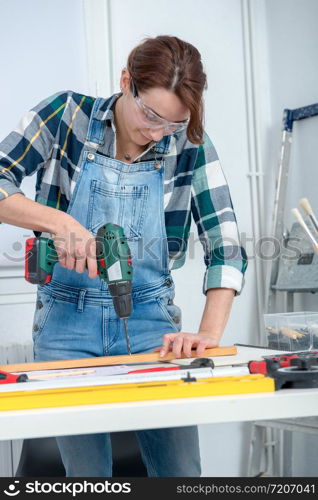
(156,134)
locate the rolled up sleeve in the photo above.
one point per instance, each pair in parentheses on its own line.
(212,210)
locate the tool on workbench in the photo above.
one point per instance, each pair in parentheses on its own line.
(301,374)
(11,378)
(114,264)
(298,370)
(281,360)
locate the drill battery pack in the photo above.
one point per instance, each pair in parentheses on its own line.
(40,257)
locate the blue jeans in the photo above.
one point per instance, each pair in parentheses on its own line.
(72,323)
(171,452)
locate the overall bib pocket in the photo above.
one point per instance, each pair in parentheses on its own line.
(124,205)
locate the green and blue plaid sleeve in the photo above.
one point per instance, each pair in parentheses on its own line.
(212,210)
(26,149)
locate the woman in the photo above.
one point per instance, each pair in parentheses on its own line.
(139,159)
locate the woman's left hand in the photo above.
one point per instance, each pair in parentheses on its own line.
(185,341)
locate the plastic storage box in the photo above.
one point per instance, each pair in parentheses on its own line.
(294,331)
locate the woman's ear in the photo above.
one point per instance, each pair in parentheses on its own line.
(125,81)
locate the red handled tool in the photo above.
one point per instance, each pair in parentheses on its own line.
(11,378)
(162,369)
(274,362)
(262,366)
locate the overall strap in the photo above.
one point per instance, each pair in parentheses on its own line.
(96,127)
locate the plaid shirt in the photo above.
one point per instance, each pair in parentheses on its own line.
(50,140)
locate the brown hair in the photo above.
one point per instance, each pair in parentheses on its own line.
(175,65)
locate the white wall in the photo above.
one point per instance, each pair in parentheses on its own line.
(42,51)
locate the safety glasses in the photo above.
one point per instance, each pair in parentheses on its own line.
(154,121)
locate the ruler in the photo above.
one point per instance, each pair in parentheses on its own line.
(128,392)
(128,378)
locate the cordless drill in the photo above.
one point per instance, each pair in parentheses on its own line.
(114,265)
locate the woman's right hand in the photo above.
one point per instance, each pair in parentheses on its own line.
(75,246)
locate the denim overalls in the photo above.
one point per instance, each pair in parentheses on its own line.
(75,318)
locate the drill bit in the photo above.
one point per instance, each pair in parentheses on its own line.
(127,336)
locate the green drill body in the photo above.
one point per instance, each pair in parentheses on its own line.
(114,266)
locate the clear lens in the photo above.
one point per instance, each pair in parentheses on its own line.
(151,117)
(151,120)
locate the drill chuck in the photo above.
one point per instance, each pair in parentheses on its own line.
(122,300)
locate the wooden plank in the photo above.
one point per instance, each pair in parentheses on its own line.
(149,357)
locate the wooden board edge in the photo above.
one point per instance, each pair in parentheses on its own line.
(112,360)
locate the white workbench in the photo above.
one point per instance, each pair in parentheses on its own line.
(286,403)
